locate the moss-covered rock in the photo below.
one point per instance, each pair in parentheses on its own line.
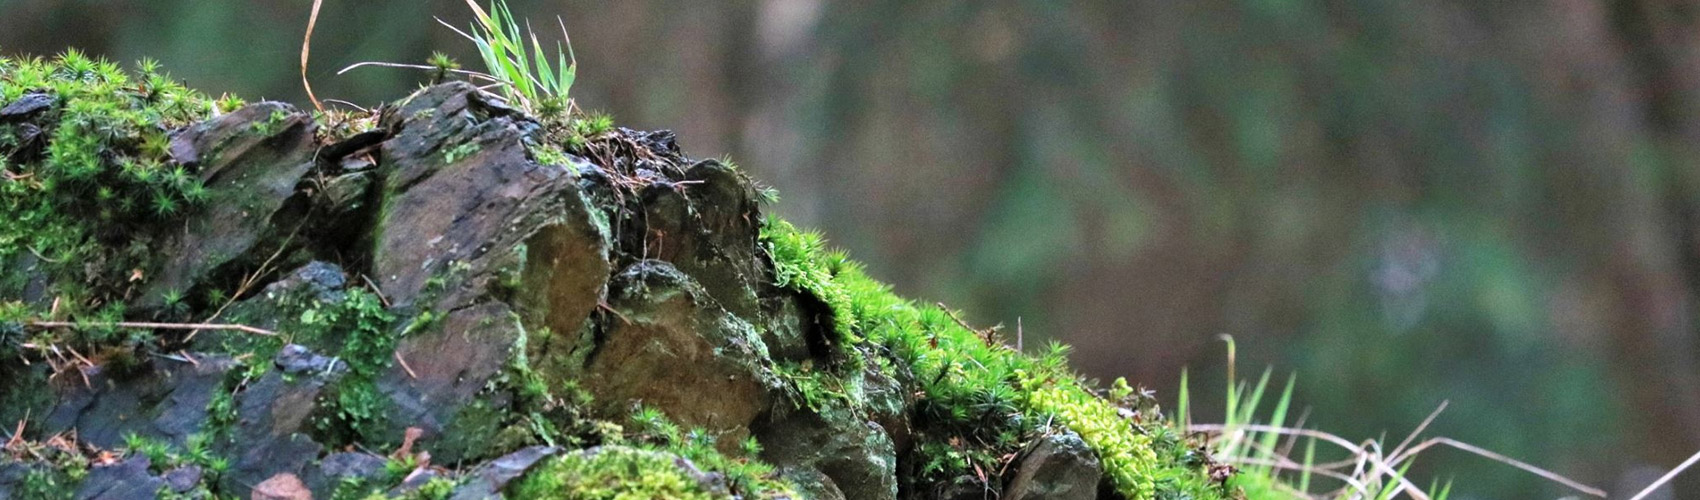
(448,297)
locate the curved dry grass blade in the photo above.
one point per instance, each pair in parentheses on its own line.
(1667,477)
(473,74)
(306,46)
(1418,431)
(1550,475)
(456,30)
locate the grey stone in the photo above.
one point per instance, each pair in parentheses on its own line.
(487,480)
(183,479)
(1056,467)
(126,480)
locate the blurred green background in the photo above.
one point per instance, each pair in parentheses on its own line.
(1492,203)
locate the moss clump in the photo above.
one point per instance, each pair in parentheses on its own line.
(612,473)
(973,389)
(354,408)
(87,173)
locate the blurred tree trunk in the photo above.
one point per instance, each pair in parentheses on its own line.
(1658,275)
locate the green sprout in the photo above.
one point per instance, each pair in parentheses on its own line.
(526,75)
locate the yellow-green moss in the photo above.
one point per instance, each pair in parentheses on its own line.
(613,473)
(974,389)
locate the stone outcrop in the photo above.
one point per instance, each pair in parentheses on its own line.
(440,303)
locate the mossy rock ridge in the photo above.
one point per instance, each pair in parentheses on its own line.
(447,298)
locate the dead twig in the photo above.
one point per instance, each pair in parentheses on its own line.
(986,335)
(375,290)
(404,367)
(249,281)
(18,435)
(604,306)
(156,326)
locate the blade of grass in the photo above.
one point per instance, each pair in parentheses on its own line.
(1309,462)
(1181,404)
(1278,418)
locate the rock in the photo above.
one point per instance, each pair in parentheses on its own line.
(168,401)
(487,480)
(415,480)
(26,107)
(324,280)
(278,302)
(183,479)
(250,161)
(960,488)
(342,465)
(126,480)
(457,184)
(11,475)
(450,365)
(470,225)
(1056,467)
(792,331)
(672,347)
(337,467)
(856,454)
(283,486)
(268,437)
(706,225)
(296,359)
(812,484)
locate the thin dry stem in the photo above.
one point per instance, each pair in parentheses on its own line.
(306,46)
(157,326)
(1530,468)
(1667,477)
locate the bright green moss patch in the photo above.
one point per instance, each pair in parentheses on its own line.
(612,473)
(645,464)
(86,174)
(744,476)
(980,400)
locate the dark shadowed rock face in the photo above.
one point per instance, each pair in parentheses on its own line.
(856,456)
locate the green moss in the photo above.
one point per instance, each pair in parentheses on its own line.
(745,476)
(103,179)
(46,484)
(973,389)
(354,408)
(460,152)
(611,473)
